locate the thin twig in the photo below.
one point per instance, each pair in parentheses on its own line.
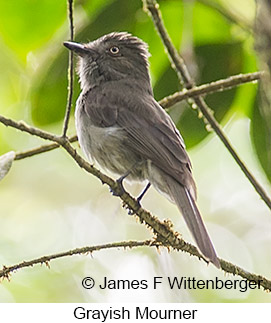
(162,230)
(39,150)
(184,76)
(212,87)
(70,72)
(6,271)
(22,126)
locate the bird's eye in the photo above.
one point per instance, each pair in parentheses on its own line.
(114,50)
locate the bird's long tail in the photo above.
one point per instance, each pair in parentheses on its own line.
(192,217)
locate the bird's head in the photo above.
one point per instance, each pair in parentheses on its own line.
(112,57)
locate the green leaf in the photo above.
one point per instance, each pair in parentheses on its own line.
(260,132)
(6,161)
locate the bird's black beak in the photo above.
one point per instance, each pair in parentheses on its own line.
(76,47)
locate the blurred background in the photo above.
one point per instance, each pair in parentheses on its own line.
(48,204)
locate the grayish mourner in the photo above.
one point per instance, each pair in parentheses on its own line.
(121,126)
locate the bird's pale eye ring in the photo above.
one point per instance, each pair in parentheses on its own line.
(114,50)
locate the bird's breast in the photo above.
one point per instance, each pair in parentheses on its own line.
(104,145)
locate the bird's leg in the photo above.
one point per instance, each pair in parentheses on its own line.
(143,192)
(131,212)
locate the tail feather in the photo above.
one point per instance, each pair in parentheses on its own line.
(192,217)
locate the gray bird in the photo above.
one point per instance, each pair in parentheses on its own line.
(122,128)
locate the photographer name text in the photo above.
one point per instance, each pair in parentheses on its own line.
(177,283)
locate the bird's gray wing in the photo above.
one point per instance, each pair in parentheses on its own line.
(152,134)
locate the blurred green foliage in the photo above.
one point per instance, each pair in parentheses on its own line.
(28,25)
(33,86)
(260,132)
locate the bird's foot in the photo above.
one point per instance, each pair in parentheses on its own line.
(119,189)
